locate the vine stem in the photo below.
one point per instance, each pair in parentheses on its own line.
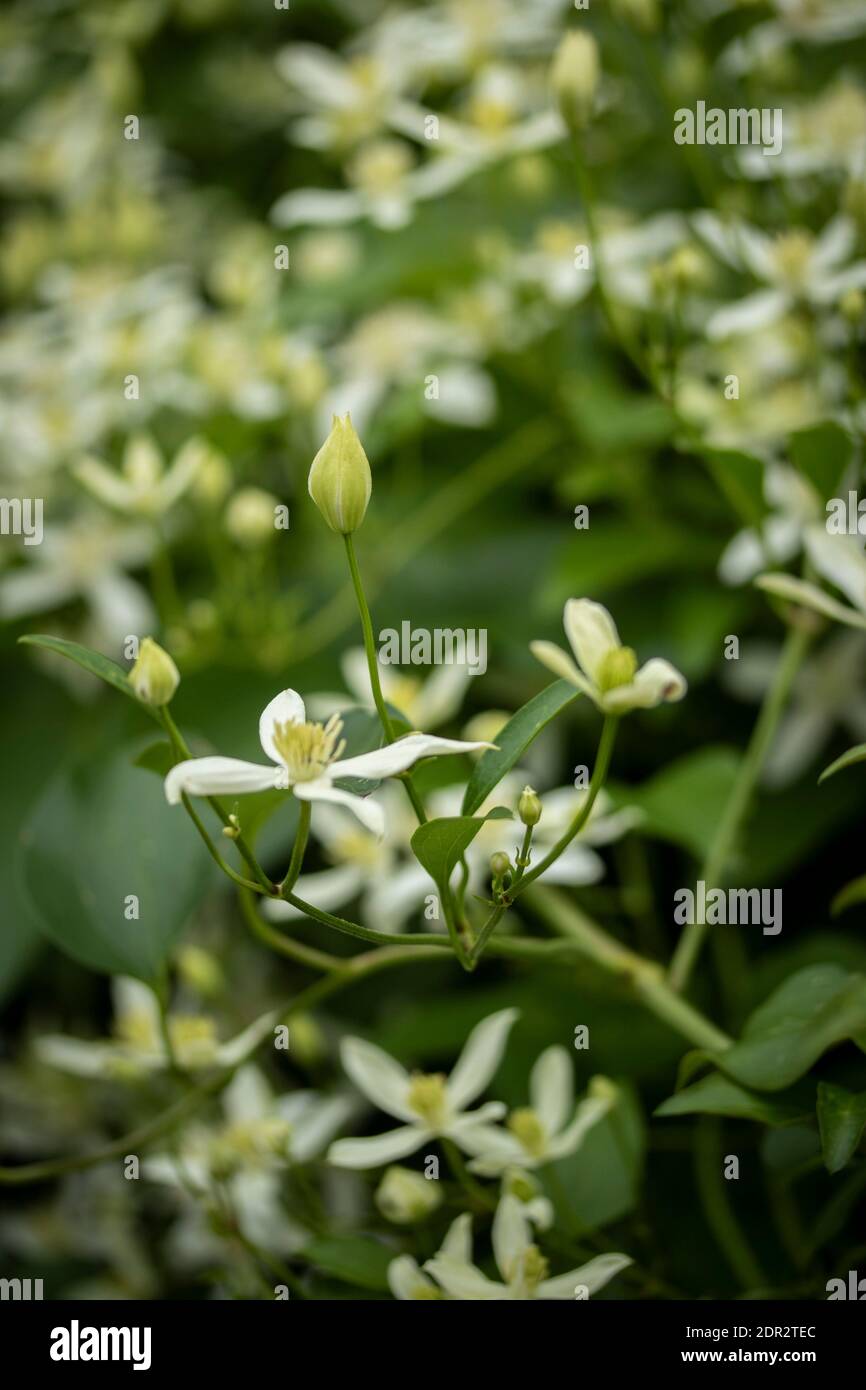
(599,776)
(373,667)
(718,860)
(299,848)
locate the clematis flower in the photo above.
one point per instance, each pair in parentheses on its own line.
(144,486)
(306,760)
(606,671)
(841,561)
(523,1268)
(431,1106)
(407,1280)
(550,1127)
(138,1046)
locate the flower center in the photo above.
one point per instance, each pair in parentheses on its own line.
(253,1142)
(193,1038)
(307,750)
(532,1269)
(616,668)
(792,254)
(528,1129)
(428,1098)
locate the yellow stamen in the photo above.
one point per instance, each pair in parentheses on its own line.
(307,750)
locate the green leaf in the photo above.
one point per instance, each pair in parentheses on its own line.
(740,477)
(94,662)
(854,755)
(822,453)
(812,1011)
(853,893)
(601,1182)
(717,1095)
(100,834)
(439,844)
(841,1122)
(684,802)
(358,1260)
(157,757)
(513,740)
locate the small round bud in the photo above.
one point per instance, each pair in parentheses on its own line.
(340,482)
(529,806)
(405,1197)
(575,76)
(201,971)
(249,517)
(642,14)
(500,864)
(853,305)
(154,677)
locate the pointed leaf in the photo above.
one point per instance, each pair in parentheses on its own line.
(841,1122)
(94,662)
(514,739)
(439,844)
(853,755)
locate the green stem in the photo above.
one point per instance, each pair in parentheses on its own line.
(484,936)
(599,776)
(285,945)
(645,976)
(718,861)
(182,753)
(299,848)
(713,1189)
(214,852)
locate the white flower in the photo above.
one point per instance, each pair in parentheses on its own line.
(139,1046)
(840,560)
(606,671)
(261,1136)
(306,759)
(796,267)
(794,503)
(523,1268)
(549,1128)
(144,486)
(828,691)
(407,1280)
(431,1106)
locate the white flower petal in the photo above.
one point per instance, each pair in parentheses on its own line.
(229,1053)
(396,757)
(369,812)
(591,633)
(839,559)
(464,1281)
(247,1097)
(656,681)
(378,1149)
(561,664)
(551,1088)
(593,1276)
(379,1076)
(407,1281)
(79,1056)
(757,310)
(809,596)
(589,1112)
(512,1235)
(285,708)
(480,1057)
(217,776)
(457,1244)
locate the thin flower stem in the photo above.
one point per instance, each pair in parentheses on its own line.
(298,850)
(285,945)
(484,936)
(523,857)
(161,993)
(373,667)
(477,1194)
(182,752)
(718,861)
(599,776)
(720,1216)
(214,852)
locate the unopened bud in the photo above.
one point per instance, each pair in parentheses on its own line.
(154,677)
(249,516)
(500,864)
(529,806)
(575,76)
(405,1197)
(340,483)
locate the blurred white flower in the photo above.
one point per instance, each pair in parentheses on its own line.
(139,1045)
(793,504)
(523,1268)
(407,1280)
(426,701)
(796,266)
(431,1106)
(839,559)
(144,486)
(551,1127)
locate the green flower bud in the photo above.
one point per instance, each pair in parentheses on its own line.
(249,517)
(405,1197)
(500,864)
(853,305)
(340,483)
(575,76)
(201,971)
(154,677)
(529,806)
